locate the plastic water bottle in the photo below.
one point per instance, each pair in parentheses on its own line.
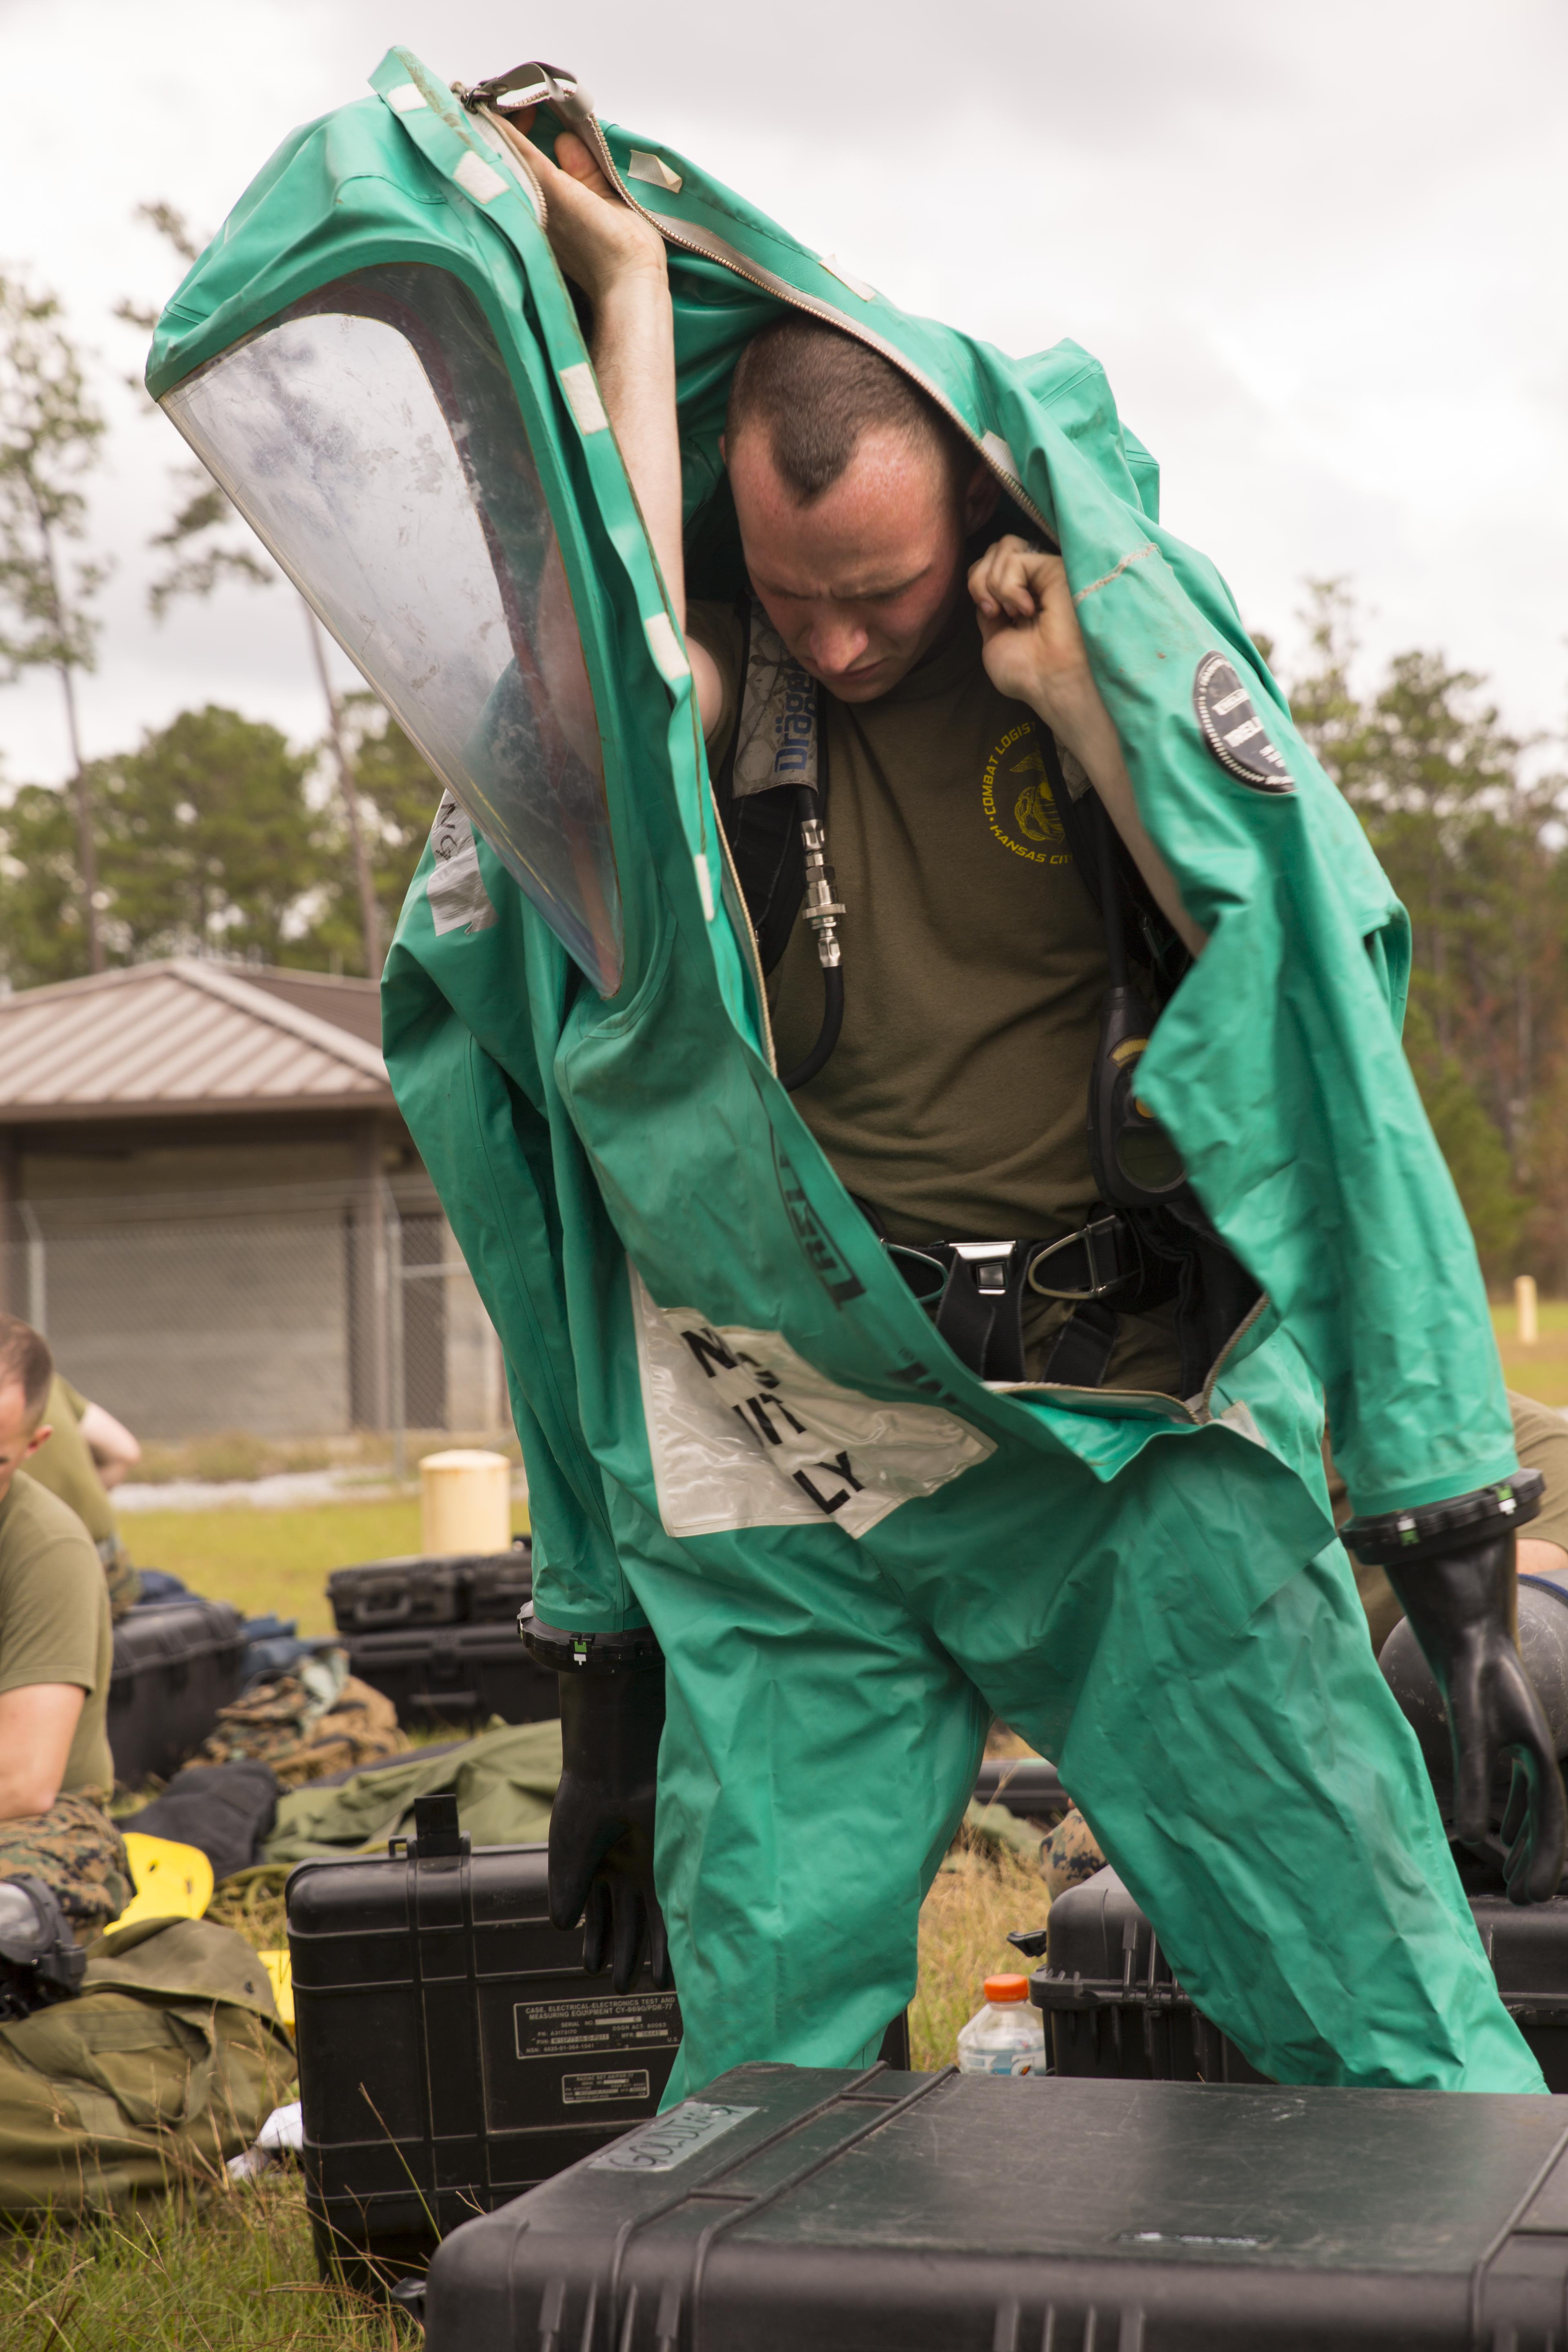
(1007,2036)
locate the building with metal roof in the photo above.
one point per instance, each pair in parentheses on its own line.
(190,1039)
(209,1201)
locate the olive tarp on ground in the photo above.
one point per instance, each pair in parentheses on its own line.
(504,1781)
(736,1421)
(165,2065)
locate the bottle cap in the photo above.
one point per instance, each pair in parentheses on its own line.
(1006,1989)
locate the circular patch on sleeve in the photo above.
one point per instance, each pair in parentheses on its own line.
(1233,730)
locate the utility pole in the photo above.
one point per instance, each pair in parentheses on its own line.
(81,799)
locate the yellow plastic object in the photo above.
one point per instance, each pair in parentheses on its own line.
(172,1882)
(466,1501)
(281,1969)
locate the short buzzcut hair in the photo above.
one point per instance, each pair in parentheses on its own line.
(25,1357)
(814,391)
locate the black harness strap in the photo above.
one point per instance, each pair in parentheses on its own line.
(975,1292)
(763,829)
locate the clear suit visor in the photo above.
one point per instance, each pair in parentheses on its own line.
(371,437)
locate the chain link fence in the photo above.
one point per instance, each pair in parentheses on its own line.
(306,1310)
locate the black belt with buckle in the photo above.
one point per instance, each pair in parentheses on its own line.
(974,1293)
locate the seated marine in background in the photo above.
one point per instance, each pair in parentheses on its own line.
(86,1452)
(55,1655)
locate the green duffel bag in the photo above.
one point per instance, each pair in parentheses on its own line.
(163,2065)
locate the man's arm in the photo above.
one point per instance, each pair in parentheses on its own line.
(37,1723)
(1035,654)
(618,262)
(113,1449)
(1539,1557)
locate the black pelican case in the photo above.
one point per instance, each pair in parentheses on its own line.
(176,1661)
(385,1596)
(457,1674)
(438,1637)
(794,2206)
(452,2051)
(1026,1785)
(1113,2006)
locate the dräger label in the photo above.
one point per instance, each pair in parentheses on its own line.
(669,2140)
(580,2029)
(611,2083)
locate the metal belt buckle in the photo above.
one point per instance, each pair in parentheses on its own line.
(1100,1281)
(991,1261)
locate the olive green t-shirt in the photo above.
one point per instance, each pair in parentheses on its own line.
(63,1462)
(54,1619)
(955,1103)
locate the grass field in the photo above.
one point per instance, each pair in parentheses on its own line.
(212,2269)
(1541,1370)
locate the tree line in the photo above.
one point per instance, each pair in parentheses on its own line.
(212,838)
(216,837)
(1469,827)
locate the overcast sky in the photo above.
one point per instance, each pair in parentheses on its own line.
(1320,250)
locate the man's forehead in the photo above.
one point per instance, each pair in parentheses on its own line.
(878,529)
(850,586)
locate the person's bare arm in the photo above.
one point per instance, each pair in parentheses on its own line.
(1539,1557)
(1035,653)
(113,1449)
(618,262)
(37,1723)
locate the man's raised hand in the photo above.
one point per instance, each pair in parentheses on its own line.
(596,236)
(1033,649)
(617,258)
(1035,654)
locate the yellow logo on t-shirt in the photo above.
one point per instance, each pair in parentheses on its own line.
(1016,776)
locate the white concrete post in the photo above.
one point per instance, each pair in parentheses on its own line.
(1524,1304)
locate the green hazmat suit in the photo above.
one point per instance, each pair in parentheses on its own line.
(738,1423)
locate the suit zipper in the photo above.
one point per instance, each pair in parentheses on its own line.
(518,156)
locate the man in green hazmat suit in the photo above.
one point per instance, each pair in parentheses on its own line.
(811,1505)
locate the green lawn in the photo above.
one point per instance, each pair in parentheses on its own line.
(213,2268)
(279,1559)
(1541,1371)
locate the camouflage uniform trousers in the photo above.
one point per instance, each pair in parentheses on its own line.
(75,1849)
(277,1724)
(1071,1855)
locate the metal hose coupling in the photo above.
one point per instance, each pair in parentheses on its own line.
(822,910)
